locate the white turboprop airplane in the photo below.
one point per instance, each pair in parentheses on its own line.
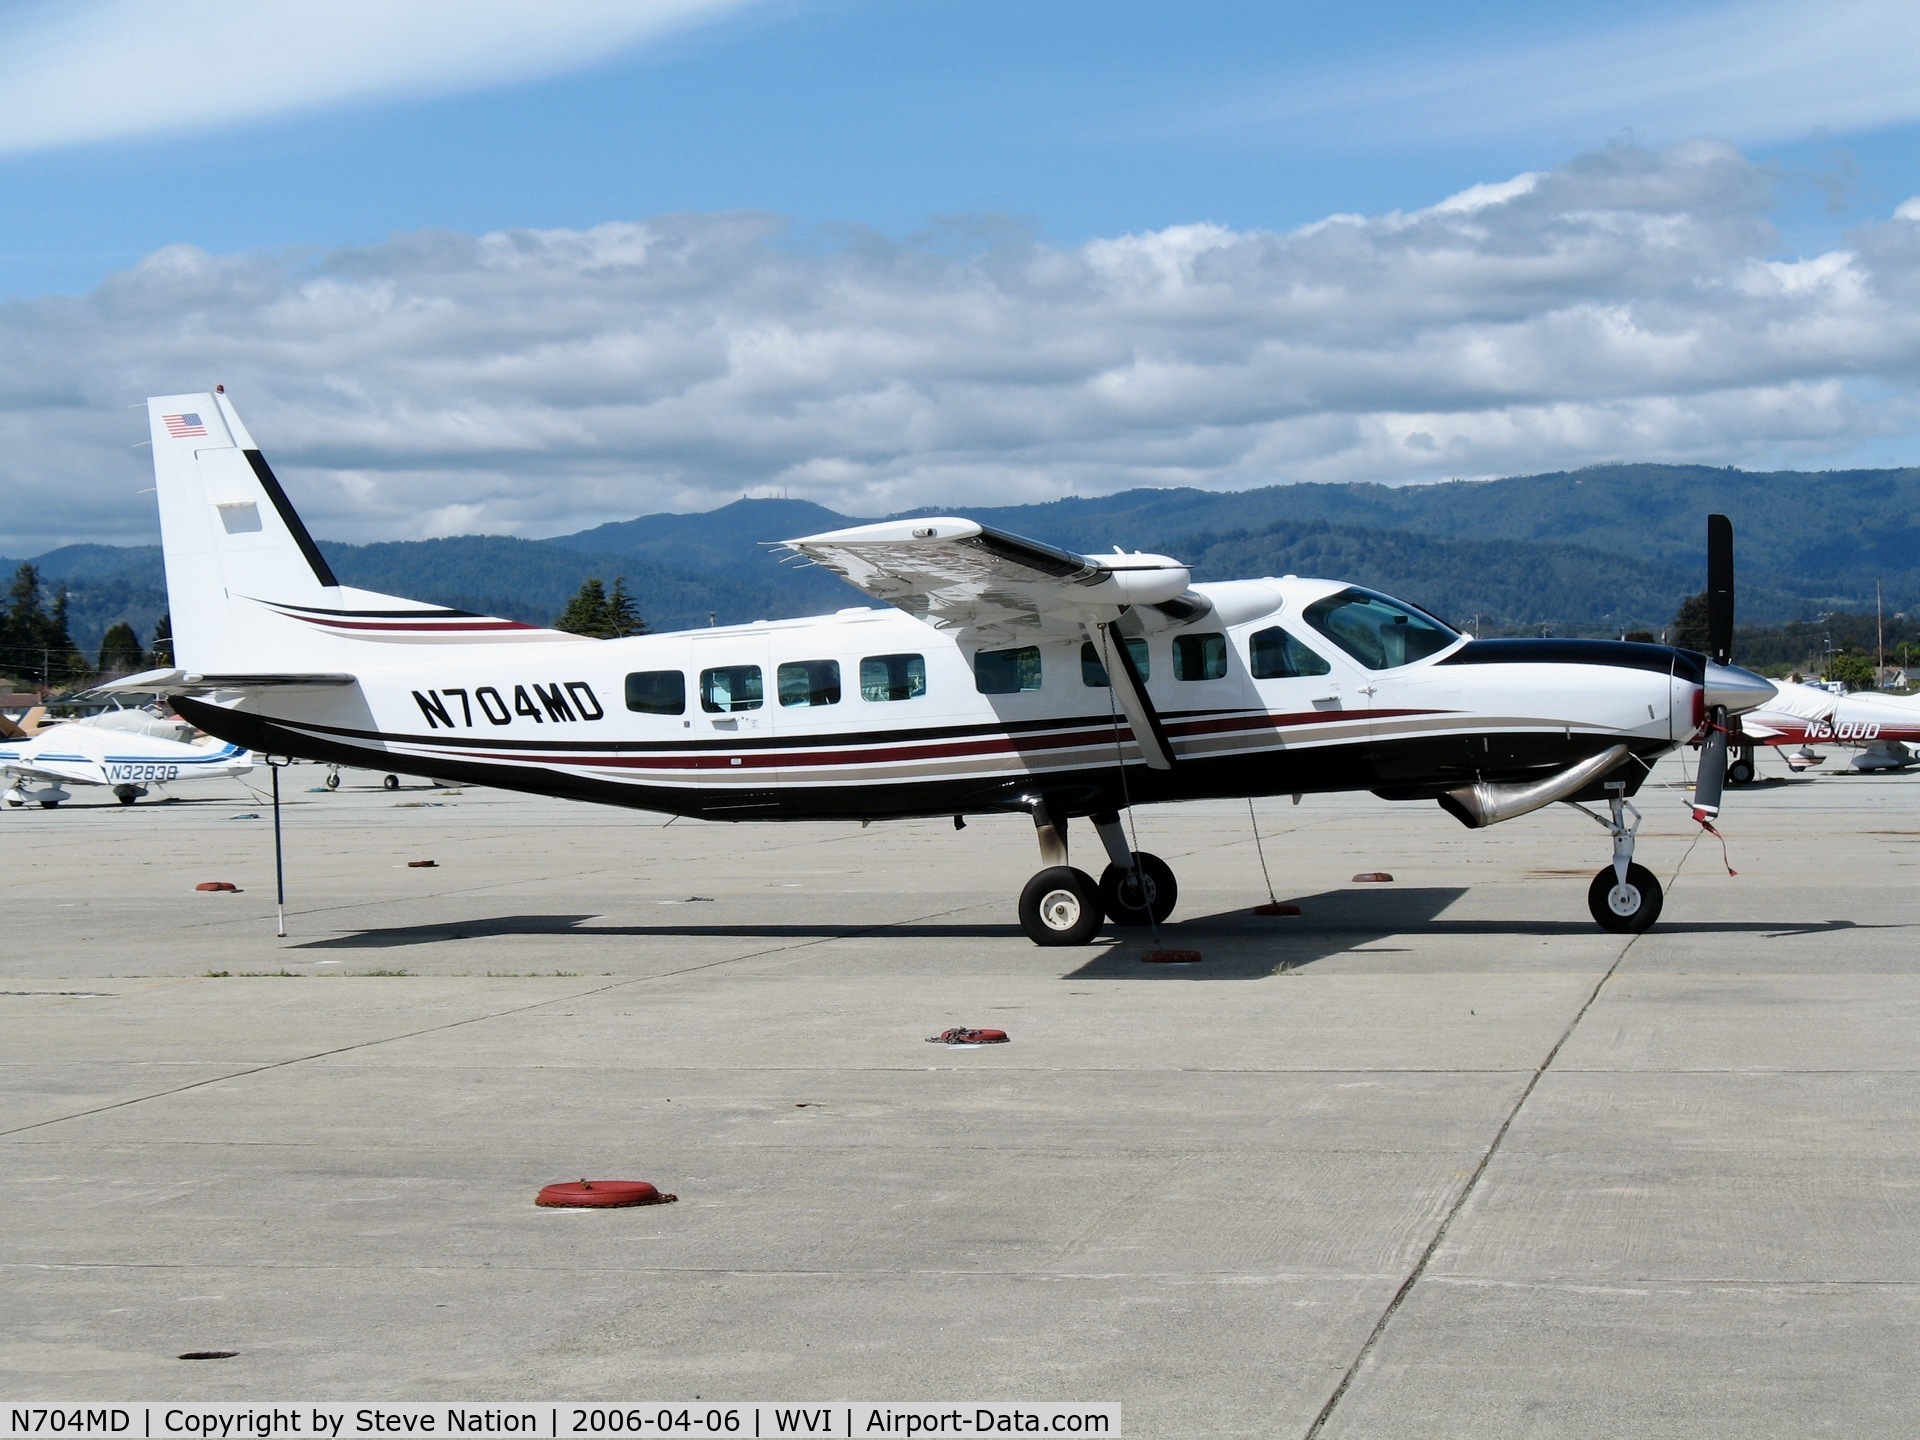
(37,770)
(1007,675)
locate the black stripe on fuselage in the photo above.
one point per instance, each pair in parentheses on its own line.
(1689,665)
(1414,767)
(435,613)
(738,744)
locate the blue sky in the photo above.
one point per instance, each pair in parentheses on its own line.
(1077,117)
(303,154)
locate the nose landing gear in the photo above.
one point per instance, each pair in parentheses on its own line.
(1624,898)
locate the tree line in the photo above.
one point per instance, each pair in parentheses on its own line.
(36,644)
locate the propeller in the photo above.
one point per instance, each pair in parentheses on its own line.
(1712,776)
(1720,588)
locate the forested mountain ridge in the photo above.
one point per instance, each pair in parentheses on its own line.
(1593,551)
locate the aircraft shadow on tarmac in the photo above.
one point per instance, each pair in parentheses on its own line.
(1236,944)
(483,927)
(1240,945)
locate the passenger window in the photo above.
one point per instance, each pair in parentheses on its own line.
(809,682)
(1007,672)
(1094,674)
(893,677)
(1377,631)
(729,688)
(1276,655)
(657,692)
(1200,657)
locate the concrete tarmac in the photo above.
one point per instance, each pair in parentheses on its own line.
(1436,1158)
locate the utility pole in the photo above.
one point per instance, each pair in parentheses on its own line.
(1880,635)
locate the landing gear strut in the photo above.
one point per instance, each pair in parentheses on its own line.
(1063,906)
(1624,898)
(1136,888)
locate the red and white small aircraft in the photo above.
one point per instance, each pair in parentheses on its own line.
(1003,675)
(1882,728)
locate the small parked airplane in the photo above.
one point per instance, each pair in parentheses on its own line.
(1006,675)
(1881,727)
(37,770)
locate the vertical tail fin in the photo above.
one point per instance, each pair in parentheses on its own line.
(248,589)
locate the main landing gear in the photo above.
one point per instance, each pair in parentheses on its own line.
(1064,906)
(1741,769)
(1624,898)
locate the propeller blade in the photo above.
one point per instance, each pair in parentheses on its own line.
(1720,587)
(1712,778)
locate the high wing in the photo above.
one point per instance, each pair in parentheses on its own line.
(998,588)
(960,575)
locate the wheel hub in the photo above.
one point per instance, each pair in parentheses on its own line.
(1623,900)
(1060,909)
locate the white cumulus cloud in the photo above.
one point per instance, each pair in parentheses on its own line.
(1626,306)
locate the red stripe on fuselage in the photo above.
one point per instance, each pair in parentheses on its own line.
(867,753)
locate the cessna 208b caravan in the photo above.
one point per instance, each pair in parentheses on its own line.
(1006,675)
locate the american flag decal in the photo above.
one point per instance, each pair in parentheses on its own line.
(183,427)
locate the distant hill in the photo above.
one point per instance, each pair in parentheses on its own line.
(1592,551)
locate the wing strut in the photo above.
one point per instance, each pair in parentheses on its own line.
(1131,692)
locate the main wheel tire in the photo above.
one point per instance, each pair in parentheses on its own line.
(392,782)
(1625,909)
(49,804)
(125,797)
(1061,906)
(1139,897)
(1740,772)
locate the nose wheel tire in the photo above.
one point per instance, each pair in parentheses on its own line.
(333,781)
(1139,897)
(1625,909)
(1061,906)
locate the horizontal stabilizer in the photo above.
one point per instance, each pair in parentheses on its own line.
(184,682)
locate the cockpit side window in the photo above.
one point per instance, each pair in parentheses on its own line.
(1275,655)
(1378,631)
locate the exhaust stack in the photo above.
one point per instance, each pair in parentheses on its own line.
(1479,805)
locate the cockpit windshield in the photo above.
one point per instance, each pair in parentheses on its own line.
(1376,630)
